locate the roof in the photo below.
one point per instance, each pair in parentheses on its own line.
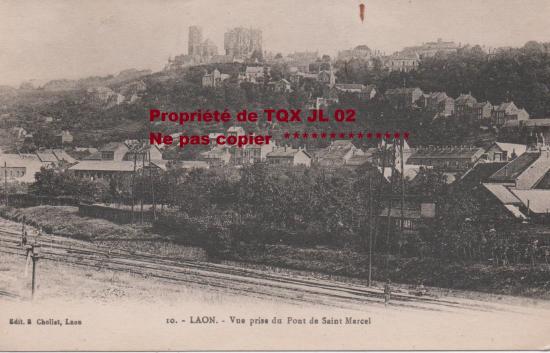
(214,153)
(515,211)
(354,86)
(254,69)
(337,150)
(95,156)
(112,146)
(465,98)
(438,96)
(535,122)
(480,172)
(538,200)
(535,172)
(504,106)
(192,165)
(396,213)
(512,147)
(235,129)
(481,104)
(214,135)
(370,88)
(285,153)
(61,155)
(47,156)
(86,149)
(502,193)
(446,153)
(358,160)
(160,163)
(512,170)
(111,166)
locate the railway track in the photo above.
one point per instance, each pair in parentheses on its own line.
(223,277)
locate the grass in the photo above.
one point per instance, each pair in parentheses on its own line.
(66,222)
(517,280)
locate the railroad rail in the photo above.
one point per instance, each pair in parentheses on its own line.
(238,280)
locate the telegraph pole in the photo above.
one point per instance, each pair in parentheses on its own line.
(143,188)
(6,181)
(133,185)
(378,196)
(35,256)
(370,229)
(152,186)
(392,168)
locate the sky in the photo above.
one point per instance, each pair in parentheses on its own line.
(55,39)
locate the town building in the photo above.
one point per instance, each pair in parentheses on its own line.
(410,218)
(522,186)
(250,154)
(300,77)
(337,154)
(20,167)
(430,49)
(198,47)
(327,77)
(124,151)
(113,151)
(367,92)
(506,112)
(440,103)
(214,79)
(503,152)
(404,98)
(91,169)
(254,74)
(243,42)
(302,60)
(482,110)
(464,105)
(450,158)
(235,131)
(287,156)
(64,138)
(403,62)
(360,52)
(216,157)
(133,91)
(280,86)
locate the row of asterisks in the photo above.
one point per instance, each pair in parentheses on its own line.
(351,135)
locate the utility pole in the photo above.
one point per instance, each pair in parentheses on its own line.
(402,144)
(370,230)
(152,186)
(35,256)
(392,168)
(378,196)
(143,188)
(133,184)
(6,181)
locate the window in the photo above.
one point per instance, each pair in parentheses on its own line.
(408,224)
(107,155)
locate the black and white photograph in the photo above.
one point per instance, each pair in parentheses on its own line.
(182,175)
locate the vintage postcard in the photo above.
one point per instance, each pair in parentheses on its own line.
(182,175)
